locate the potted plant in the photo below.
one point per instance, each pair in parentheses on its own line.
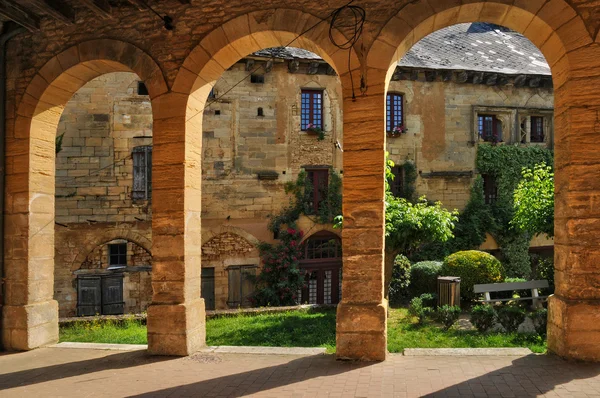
(313,129)
(397,131)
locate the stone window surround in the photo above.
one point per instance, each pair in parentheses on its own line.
(510,118)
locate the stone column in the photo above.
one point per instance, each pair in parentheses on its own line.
(361,331)
(29,314)
(176,317)
(574,310)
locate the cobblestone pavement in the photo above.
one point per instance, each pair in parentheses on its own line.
(51,372)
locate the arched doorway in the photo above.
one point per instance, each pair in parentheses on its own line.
(322,263)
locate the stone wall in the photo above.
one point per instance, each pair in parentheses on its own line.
(440,120)
(106,119)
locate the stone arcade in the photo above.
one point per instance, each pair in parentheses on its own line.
(67,46)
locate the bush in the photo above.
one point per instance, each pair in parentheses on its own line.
(400,279)
(483,317)
(447,315)
(429,299)
(473,267)
(418,309)
(423,277)
(511,317)
(540,321)
(544,269)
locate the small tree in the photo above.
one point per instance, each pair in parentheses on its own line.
(534,201)
(280,277)
(411,225)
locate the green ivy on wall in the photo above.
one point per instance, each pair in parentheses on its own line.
(300,203)
(505,164)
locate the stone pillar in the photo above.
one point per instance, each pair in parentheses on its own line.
(574,309)
(361,331)
(29,314)
(176,317)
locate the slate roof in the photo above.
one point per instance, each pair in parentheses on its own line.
(482,47)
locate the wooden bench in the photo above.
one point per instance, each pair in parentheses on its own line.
(488,288)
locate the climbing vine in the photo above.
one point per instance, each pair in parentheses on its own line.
(504,164)
(301,192)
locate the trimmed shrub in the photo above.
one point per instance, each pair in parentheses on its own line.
(511,317)
(483,317)
(423,277)
(400,279)
(473,267)
(540,321)
(418,309)
(544,269)
(447,315)
(429,299)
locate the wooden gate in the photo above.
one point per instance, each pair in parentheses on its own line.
(207,290)
(100,294)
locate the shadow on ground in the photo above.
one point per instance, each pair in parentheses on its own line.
(529,376)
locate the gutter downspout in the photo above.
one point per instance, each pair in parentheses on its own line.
(4,38)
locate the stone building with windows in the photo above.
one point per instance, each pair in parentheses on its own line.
(460,86)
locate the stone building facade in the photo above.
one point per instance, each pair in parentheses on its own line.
(60,50)
(253,144)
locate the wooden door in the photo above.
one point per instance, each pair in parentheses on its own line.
(207,288)
(112,295)
(89,295)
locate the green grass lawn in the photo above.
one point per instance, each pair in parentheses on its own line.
(306,329)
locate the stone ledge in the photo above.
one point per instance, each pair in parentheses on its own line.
(102,346)
(468,352)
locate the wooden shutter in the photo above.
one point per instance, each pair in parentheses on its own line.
(234,275)
(142,172)
(247,284)
(89,300)
(112,295)
(207,288)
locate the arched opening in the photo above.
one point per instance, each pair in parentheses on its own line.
(546,25)
(31,185)
(104,188)
(322,263)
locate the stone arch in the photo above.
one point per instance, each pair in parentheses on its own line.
(553,26)
(108,236)
(223,229)
(227,44)
(325,230)
(30,148)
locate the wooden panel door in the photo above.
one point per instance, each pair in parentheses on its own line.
(112,295)
(207,288)
(89,295)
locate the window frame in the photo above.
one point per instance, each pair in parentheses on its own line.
(309,117)
(390,114)
(142,171)
(539,123)
(481,125)
(322,173)
(119,255)
(490,189)
(397,185)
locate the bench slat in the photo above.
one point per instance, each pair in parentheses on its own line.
(513,299)
(503,287)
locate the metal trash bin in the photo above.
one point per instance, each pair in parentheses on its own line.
(448,290)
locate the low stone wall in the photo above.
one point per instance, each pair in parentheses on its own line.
(70,321)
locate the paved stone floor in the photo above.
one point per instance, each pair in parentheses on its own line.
(51,372)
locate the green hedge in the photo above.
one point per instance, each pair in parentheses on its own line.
(423,277)
(473,267)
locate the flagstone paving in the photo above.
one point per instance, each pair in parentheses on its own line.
(64,372)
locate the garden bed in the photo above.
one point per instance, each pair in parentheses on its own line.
(304,328)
